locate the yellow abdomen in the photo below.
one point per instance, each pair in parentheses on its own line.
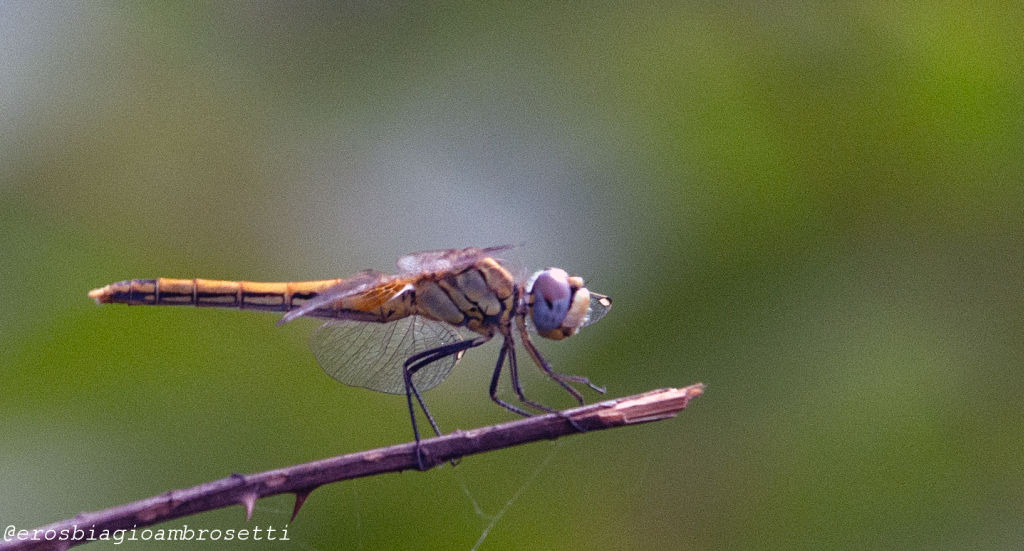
(270,296)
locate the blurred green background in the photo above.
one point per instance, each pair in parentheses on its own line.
(815,209)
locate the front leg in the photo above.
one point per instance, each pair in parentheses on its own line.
(560,378)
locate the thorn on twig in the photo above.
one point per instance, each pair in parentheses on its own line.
(249,501)
(300,498)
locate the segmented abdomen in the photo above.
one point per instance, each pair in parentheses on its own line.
(269,296)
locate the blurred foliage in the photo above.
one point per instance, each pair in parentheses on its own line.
(814,209)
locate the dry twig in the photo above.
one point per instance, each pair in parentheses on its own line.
(302,479)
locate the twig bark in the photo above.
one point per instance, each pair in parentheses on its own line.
(302,479)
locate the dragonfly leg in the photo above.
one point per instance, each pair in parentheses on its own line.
(513,371)
(508,349)
(413,364)
(519,390)
(560,378)
(509,346)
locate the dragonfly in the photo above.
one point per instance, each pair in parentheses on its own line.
(402,333)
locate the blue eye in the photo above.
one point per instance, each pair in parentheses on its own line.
(551,299)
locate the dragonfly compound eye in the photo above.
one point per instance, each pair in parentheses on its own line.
(559,303)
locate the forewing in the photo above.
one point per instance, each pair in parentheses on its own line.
(370,355)
(359,283)
(599,306)
(446,259)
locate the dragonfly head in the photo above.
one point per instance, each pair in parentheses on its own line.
(560,305)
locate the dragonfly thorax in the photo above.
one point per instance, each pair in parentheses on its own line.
(558,303)
(480,298)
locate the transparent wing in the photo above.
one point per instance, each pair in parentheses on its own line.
(445,260)
(352,286)
(370,355)
(599,306)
